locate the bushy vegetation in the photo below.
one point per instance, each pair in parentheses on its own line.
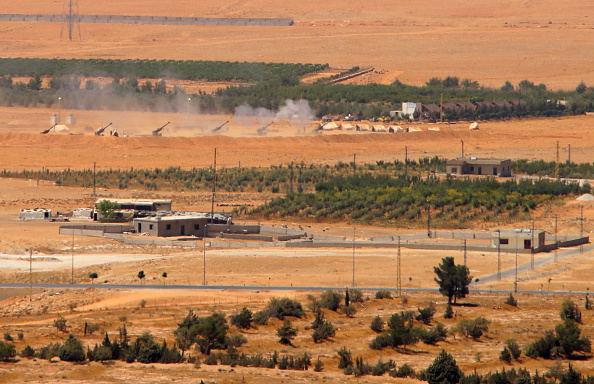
(453,279)
(474,328)
(564,341)
(154,69)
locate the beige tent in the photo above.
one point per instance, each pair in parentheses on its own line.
(414,129)
(347,127)
(473,126)
(378,128)
(433,128)
(394,129)
(61,129)
(362,127)
(330,126)
(585,197)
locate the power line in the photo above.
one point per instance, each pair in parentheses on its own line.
(71,17)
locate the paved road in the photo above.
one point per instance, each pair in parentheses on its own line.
(537,264)
(254,288)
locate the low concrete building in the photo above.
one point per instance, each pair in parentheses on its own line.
(35,214)
(520,239)
(178,225)
(478,166)
(140,204)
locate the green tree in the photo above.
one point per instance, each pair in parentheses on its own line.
(324,332)
(568,337)
(141,276)
(569,310)
(7,351)
(211,332)
(453,279)
(581,87)
(107,208)
(243,319)
(93,276)
(286,332)
(443,370)
(35,83)
(571,376)
(377,324)
(71,350)
(449,312)
(426,314)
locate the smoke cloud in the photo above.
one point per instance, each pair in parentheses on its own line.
(298,112)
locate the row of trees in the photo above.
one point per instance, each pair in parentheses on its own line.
(154,69)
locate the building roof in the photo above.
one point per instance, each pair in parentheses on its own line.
(173,216)
(521,232)
(476,160)
(449,106)
(135,201)
(466,105)
(431,107)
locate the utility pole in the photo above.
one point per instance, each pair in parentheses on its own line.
(354,163)
(568,159)
(557,245)
(498,254)
(354,232)
(464,252)
(532,248)
(72,275)
(428,219)
(30,274)
(557,163)
(441,109)
(581,226)
(516,279)
(204,260)
(94,180)
(214,186)
(462,141)
(398,271)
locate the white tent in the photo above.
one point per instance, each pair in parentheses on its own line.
(414,129)
(433,128)
(473,126)
(379,128)
(347,127)
(330,126)
(394,129)
(362,127)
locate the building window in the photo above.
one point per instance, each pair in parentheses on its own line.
(168,227)
(504,241)
(494,171)
(454,170)
(150,226)
(196,227)
(471,169)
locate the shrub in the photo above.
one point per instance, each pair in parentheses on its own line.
(511,300)
(60,323)
(505,355)
(377,324)
(21,336)
(28,352)
(356,295)
(569,310)
(345,358)
(514,348)
(405,370)
(235,340)
(426,314)
(261,317)
(383,294)
(211,359)
(382,341)
(433,335)
(449,313)
(350,310)
(7,351)
(280,308)
(8,337)
(242,320)
(331,300)
(318,366)
(286,332)
(443,370)
(324,332)
(473,328)
(72,350)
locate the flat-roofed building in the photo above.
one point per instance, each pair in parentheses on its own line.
(512,239)
(479,166)
(178,225)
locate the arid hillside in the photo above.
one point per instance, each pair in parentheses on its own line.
(490,42)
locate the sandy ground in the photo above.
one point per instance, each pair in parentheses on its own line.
(183,144)
(485,41)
